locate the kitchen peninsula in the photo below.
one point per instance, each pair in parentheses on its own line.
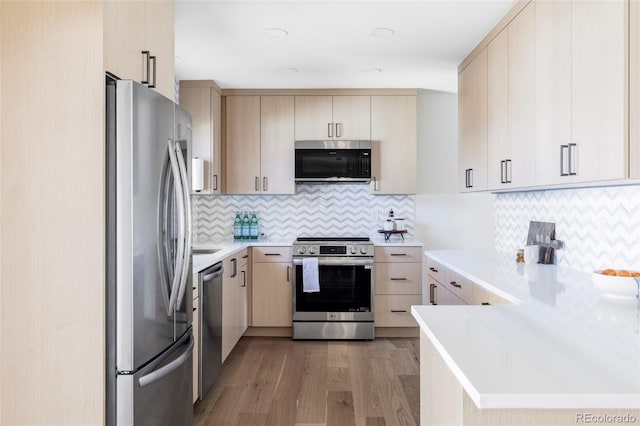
(561,351)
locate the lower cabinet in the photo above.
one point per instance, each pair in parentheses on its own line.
(398,285)
(234,301)
(196,348)
(271,287)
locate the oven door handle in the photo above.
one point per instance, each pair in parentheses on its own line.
(338,261)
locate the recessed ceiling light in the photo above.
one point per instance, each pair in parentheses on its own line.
(275,32)
(373,70)
(382,32)
(289,70)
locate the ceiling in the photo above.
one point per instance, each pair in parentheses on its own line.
(330,43)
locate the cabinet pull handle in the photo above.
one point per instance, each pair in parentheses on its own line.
(485,304)
(329,130)
(264,184)
(194,309)
(470,178)
(272,254)
(234,271)
(507,171)
(398,311)
(502,167)
(338,130)
(375,184)
(244,278)
(215,182)
(398,279)
(194,288)
(398,254)
(257,183)
(153,59)
(562,160)
(573,169)
(455,284)
(147,77)
(288,273)
(432,269)
(432,298)
(245,256)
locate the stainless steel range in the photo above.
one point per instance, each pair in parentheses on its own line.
(333,288)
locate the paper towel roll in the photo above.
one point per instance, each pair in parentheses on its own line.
(197,174)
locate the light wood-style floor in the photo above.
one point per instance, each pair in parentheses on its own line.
(281,382)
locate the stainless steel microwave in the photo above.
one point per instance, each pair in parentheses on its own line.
(333,161)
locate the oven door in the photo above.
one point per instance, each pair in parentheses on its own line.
(346,291)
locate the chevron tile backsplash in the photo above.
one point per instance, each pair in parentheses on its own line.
(600,227)
(318,210)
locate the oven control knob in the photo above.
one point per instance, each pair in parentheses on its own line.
(353,250)
(312,250)
(363,250)
(302,250)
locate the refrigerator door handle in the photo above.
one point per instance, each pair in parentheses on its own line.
(188,226)
(178,272)
(156,375)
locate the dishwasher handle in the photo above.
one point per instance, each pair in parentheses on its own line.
(211,273)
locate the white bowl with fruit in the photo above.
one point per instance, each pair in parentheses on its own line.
(617,283)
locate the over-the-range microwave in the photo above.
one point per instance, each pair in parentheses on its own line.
(333,161)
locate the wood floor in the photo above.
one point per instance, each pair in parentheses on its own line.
(281,382)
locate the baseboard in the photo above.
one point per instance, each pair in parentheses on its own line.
(397,332)
(288,332)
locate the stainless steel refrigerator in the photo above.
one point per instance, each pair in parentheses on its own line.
(149,310)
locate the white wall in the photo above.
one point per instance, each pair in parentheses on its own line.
(444,217)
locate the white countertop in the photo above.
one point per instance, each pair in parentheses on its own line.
(562,345)
(228,247)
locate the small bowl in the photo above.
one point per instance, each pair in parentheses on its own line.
(615,287)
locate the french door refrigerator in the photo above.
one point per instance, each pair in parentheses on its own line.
(149,311)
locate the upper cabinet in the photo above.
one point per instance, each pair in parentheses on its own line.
(472,124)
(511,104)
(134,27)
(202,100)
(634,90)
(259,145)
(332,117)
(557,97)
(581,91)
(393,133)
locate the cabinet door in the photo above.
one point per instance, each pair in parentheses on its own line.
(519,166)
(124,39)
(352,117)
(216,148)
(159,41)
(313,118)
(196,348)
(243,144)
(197,102)
(272,295)
(598,89)
(553,88)
(234,305)
(393,132)
(276,144)
(472,122)
(498,150)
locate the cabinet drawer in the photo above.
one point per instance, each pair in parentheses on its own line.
(483,296)
(395,310)
(399,254)
(272,254)
(459,286)
(243,257)
(435,270)
(398,278)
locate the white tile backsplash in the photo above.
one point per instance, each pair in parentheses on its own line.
(318,210)
(600,227)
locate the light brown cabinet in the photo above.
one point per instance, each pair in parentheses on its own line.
(202,101)
(394,137)
(271,287)
(332,117)
(259,144)
(472,125)
(234,301)
(132,28)
(398,285)
(511,104)
(196,348)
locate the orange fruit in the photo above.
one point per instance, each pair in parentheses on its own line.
(609,272)
(624,273)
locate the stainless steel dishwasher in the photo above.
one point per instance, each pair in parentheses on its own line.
(210,356)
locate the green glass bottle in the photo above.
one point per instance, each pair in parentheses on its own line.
(237,227)
(246,226)
(255,229)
